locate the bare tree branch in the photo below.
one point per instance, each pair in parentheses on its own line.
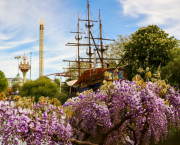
(81,142)
(86,133)
(134,134)
(126,140)
(56,139)
(114,127)
(145,130)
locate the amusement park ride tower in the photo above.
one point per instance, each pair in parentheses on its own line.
(24,66)
(41,47)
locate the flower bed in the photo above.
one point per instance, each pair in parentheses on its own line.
(122,112)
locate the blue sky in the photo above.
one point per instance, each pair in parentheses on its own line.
(19,27)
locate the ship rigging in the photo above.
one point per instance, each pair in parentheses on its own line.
(91,78)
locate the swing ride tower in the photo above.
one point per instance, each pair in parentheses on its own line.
(24,67)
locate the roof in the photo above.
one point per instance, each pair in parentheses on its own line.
(18,76)
(24,57)
(71,83)
(98,72)
(17,79)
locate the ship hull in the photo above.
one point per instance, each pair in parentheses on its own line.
(94,82)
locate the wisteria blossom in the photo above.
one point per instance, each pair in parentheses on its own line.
(125,113)
(122,112)
(34,126)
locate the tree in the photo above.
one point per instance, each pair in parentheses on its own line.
(63,96)
(16,86)
(40,87)
(116,49)
(152,41)
(74,72)
(57,82)
(3,82)
(173,67)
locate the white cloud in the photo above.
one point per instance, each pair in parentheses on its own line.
(13,44)
(156,11)
(19,33)
(7,47)
(22,41)
(27,12)
(5,36)
(160,12)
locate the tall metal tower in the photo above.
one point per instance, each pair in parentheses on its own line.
(41,47)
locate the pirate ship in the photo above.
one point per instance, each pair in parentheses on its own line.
(93,77)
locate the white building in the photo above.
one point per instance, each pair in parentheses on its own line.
(17,79)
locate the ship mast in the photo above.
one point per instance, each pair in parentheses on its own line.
(78,44)
(78,38)
(89,24)
(78,49)
(89,27)
(100,26)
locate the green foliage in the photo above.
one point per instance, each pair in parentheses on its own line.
(63,96)
(153,39)
(57,82)
(64,92)
(3,82)
(116,49)
(16,86)
(74,72)
(27,80)
(66,87)
(40,87)
(173,67)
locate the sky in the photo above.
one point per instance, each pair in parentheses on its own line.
(19,27)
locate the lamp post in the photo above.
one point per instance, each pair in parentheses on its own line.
(60,82)
(30,64)
(18,57)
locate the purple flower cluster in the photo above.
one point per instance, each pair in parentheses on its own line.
(71,101)
(34,126)
(106,108)
(90,112)
(122,112)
